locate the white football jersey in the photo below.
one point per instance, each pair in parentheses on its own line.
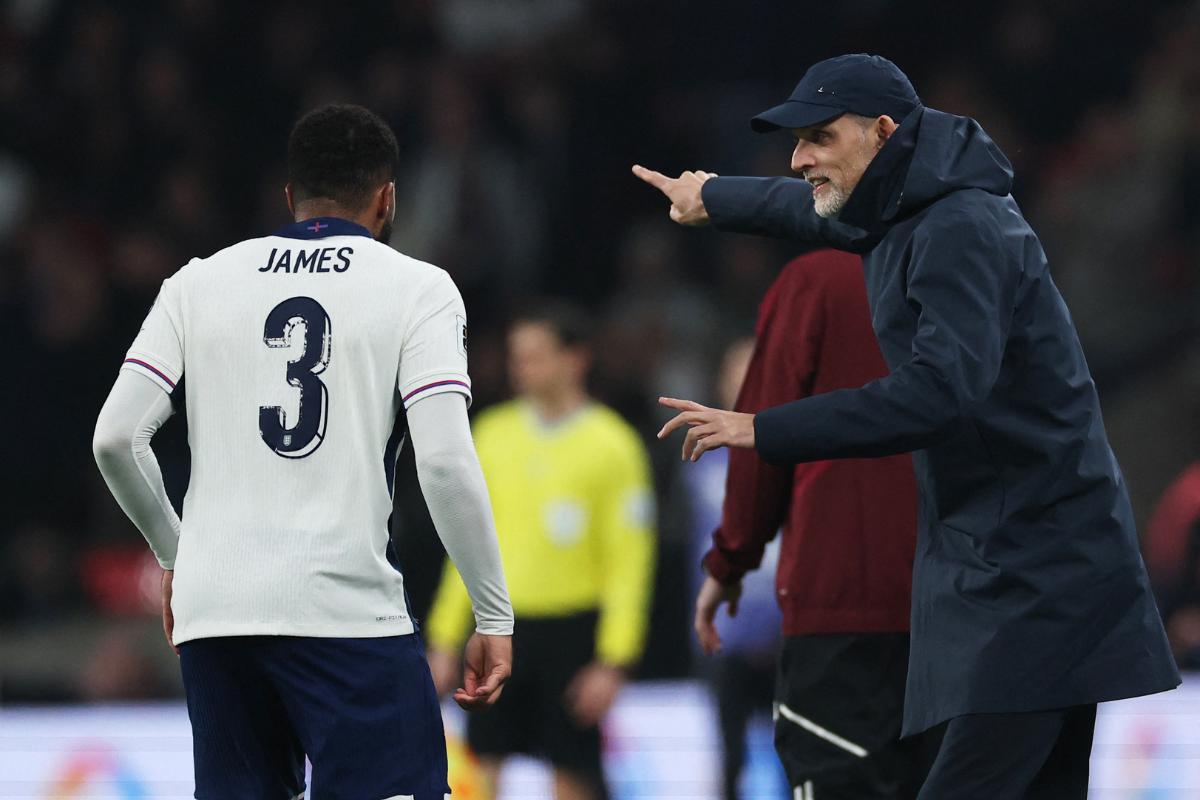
(300,352)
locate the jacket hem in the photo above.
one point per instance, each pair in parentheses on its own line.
(915,726)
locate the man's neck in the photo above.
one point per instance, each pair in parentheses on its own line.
(556,407)
(312,209)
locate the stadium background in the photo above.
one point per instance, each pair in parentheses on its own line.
(134,136)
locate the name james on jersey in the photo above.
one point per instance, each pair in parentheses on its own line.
(307,260)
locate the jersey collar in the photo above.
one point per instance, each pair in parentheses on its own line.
(321,227)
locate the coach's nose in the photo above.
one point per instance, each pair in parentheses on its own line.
(802,156)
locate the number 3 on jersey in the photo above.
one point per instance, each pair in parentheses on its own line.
(306,435)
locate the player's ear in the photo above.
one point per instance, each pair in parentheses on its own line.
(291,199)
(384,199)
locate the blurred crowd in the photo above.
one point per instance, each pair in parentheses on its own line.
(137,135)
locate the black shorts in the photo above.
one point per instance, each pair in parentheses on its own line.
(839,701)
(531,716)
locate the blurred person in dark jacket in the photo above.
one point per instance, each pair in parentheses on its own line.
(742,674)
(1031,603)
(844,579)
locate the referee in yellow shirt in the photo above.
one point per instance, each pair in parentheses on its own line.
(571,491)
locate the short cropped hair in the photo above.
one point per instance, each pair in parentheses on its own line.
(571,325)
(341,153)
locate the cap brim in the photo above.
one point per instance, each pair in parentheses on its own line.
(794,114)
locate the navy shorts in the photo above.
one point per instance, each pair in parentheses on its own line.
(363,710)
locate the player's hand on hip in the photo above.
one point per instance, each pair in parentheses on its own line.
(592,692)
(709,599)
(168,579)
(687,204)
(444,668)
(708,428)
(487,663)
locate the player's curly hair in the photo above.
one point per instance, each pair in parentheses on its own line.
(341,153)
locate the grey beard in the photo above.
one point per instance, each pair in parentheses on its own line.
(831,205)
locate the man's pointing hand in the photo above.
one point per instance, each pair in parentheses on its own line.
(708,428)
(687,206)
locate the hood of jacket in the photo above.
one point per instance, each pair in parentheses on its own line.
(930,155)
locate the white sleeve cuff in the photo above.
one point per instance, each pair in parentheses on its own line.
(153,368)
(437,384)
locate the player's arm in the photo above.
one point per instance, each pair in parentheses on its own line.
(452,481)
(137,406)
(433,382)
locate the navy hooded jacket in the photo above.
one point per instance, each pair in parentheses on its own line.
(1029,591)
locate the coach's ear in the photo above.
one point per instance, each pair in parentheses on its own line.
(291,200)
(883,128)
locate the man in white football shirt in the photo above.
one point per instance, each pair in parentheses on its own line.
(310,356)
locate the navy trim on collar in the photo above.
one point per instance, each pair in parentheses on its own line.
(321,227)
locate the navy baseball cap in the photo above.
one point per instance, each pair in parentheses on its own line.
(869,86)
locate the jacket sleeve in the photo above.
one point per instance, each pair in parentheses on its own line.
(780,207)
(758,494)
(962,284)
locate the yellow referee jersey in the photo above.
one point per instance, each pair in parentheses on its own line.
(574,515)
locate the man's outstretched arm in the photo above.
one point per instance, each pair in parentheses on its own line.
(452,481)
(779,207)
(966,302)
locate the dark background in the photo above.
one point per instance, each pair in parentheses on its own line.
(135,136)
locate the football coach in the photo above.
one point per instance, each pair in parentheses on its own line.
(1030,599)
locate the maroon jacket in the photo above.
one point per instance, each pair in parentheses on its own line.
(849,526)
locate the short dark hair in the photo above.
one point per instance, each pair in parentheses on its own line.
(341,153)
(571,324)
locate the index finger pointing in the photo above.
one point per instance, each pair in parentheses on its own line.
(682,405)
(655,179)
